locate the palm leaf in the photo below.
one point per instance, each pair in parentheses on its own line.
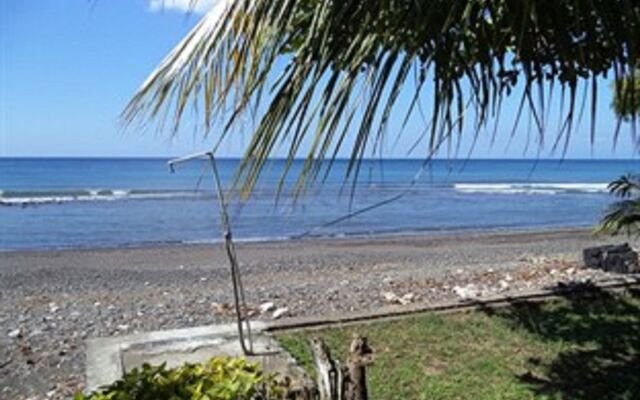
(626,101)
(622,217)
(348,61)
(625,186)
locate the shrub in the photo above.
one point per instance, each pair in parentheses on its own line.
(623,216)
(220,379)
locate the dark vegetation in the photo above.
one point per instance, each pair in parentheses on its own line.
(623,217)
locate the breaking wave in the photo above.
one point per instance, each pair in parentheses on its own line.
(32,198)
(531,188)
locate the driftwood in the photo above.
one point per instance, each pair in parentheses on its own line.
(360,355)
(326,368)
(342,383)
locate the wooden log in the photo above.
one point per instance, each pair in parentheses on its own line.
(329,375)
(360,356)
(342,383)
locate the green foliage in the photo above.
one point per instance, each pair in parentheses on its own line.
(623,216)
(347,63)
(626,100)
(219,379)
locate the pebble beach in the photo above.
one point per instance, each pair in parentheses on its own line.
(52,301)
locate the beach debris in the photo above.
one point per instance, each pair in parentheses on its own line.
(203,279)
(390,297)
(533,260)
(613,258)
(123,327)
(266,307)
(228,309)
(503,285)
(222,308)
(15,334)
(469,291)
(407,298)
(53,307)
(280,312)
(252,312)
(540,260)
(393,298)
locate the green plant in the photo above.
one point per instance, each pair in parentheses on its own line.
(624,215)
(220,379)
(626,99)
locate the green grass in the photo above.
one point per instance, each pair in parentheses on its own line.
(575,348)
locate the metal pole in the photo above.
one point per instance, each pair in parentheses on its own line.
(242,317)
(238,290)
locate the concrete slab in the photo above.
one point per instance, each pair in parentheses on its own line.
(109,358)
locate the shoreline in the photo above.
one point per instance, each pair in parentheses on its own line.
(413,234)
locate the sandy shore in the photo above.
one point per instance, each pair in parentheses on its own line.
(50,301)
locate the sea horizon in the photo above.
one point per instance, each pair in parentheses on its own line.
(86,202)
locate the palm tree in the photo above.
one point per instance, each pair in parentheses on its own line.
(626,99)
(347,63)
(624,215)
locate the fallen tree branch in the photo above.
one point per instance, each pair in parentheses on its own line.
(342,383)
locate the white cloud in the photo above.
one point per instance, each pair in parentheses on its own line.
(197,6)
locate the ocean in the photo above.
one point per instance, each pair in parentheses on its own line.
(48,203)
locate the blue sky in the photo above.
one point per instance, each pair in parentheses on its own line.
(68,67)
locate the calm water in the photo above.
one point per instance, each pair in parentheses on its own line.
(69,203)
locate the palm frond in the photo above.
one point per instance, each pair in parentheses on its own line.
(622,217)
(347,61)
(625,186)
(626,99)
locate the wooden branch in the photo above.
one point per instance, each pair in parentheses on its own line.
(326,370)
(360,355)
(342,383)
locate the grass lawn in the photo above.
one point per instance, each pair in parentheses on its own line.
(577,348)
